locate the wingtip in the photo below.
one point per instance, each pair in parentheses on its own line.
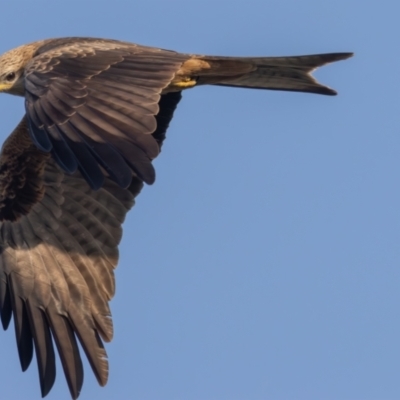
(46,384)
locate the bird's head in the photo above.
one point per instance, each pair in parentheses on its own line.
(12,66)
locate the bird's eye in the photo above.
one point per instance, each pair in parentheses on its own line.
(10,77)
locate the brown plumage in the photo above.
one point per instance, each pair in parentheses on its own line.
(96,115)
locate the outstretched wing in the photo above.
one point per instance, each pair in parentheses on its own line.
(58,249)
(93,104)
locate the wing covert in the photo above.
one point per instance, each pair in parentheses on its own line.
(93,104)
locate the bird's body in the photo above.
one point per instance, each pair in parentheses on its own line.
(96,115)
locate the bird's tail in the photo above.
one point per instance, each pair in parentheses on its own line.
(273,73)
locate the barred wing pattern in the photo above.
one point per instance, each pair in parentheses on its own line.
(56,273)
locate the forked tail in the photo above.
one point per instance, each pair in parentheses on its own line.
(273,73)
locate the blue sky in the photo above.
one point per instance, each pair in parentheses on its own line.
(265,262)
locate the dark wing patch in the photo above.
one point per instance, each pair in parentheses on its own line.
(101,98)
(167,104)
(57,272)
(21,167)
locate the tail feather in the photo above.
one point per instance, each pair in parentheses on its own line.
(273,73)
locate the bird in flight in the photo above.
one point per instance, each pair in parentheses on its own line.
(96,115)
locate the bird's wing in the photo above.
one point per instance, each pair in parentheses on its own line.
(93,104)
(58,249)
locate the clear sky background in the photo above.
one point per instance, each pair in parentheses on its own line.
(265,261)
